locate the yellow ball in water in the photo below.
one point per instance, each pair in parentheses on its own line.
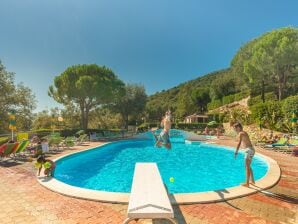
(172,179)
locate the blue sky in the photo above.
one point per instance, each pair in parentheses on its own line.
(157,43)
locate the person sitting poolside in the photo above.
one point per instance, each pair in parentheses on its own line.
(219,131)
(33,146)
(206,131)
(270,139)
(49,165)
(276,138)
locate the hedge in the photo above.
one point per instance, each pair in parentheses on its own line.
(70,132)
(256,100)
(214,104)
(183,126)
(234,97)
(290,106)
(3,140)
(227,99)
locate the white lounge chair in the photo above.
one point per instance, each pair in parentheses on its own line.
(149,198)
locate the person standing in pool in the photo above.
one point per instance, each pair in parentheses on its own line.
(250,151)
(164,137)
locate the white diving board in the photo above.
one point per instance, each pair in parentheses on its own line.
(149,198)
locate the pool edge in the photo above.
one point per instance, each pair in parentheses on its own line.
(268,181)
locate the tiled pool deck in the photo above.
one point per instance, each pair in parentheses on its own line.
(24,200)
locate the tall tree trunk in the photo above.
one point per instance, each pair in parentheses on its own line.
(263,90)
(86,119)
(284,83)
(126,121)
(280,87)
(83,115)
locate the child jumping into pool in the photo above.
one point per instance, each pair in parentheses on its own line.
(164,137)
(250,151)
(49,165)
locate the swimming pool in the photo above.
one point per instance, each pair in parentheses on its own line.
(192,168)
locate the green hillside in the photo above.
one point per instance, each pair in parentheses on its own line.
(265,65)
(181,99)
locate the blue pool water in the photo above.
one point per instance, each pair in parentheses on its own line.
(195,168)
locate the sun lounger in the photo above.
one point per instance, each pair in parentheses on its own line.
(54,144)
(10,149)
(2,148)
(93,137)
(148,198)
(294,142)
(21,147)
(281,142)
(82,139)
(69,142)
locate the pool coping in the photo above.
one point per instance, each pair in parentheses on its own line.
(268,181)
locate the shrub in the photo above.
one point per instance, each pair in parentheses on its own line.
(240,115)
(228,99)
(234,97)
(41,132)
(3,140)
(190,126)
(256,100)
(290,106)
(146,126)
(268,114)
(241,95)
(182,126)
(214,104)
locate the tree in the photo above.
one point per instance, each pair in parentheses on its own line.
(15,97)
(86,87)
(154,110)
(42,120)
(24,103)
(71,116)
(185,105)
(104,118)
(271,59)
(201,98)
(221,87)
(239,64)
(132,103)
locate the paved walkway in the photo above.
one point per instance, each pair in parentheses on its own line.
(23,200)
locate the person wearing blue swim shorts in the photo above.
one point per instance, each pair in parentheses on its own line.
(163,139)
